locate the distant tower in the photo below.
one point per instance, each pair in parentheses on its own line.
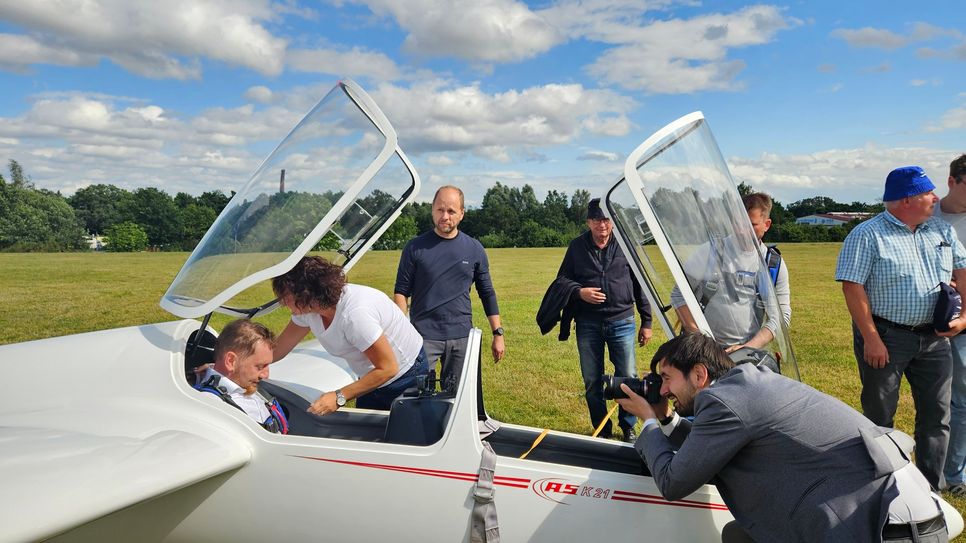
(281,182)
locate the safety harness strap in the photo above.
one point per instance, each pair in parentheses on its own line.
(276,421)
(485,528)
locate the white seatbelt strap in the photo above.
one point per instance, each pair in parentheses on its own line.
(485,528)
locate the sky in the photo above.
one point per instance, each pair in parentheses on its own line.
(805,99)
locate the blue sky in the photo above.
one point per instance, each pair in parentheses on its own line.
(805,99)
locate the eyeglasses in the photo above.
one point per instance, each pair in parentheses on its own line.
(602,219)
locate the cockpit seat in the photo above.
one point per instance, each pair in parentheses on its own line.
(419,420)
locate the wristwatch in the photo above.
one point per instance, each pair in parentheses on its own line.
(498,331)
(339,398)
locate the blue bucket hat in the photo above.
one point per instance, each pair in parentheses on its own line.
(906,181)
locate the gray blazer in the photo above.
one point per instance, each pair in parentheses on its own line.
(788,460)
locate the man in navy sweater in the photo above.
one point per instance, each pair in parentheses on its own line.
(605,313)
(436,270)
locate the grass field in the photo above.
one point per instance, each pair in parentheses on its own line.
(538,383)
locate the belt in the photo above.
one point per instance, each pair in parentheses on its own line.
(899,531)
(926,328)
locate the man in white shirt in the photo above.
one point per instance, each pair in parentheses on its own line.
(242,356)
(952,209)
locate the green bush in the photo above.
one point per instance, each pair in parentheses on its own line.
(126,237)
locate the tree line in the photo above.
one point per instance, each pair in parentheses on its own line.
(37,219)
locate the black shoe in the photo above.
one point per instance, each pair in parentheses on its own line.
(630,436)
(606,432)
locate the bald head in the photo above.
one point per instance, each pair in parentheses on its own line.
(447,211)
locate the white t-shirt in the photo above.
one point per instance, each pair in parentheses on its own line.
(956,220)
(361,316)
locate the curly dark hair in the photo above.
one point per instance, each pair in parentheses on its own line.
(313,279)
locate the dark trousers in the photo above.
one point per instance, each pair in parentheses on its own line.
(382,397)
(450,353)
(925,360)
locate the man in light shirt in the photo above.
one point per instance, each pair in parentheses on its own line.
(242,356)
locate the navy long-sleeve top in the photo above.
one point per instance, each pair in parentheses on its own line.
(436,273)
(607,269)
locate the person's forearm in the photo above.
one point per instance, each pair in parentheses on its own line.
(368,382)
(494,321)
(857,302)
(762,338)
(402,302)
(287,340)
(687,320)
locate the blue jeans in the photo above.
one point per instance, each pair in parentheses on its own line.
(382,397)
(619,337)
(956,453)
(925,362)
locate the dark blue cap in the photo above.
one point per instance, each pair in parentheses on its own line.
(593,209)
(906,181)
(948,306)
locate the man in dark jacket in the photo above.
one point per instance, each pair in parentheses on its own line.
(605,313)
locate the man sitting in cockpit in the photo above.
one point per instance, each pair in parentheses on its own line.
(243,353)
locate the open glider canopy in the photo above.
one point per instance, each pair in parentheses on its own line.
(334,184)
(681,221)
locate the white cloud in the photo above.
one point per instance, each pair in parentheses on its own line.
(599,156)
(878,69)
(475,30)
(879,38)
(953,119)
(871,38)
(439,160)
(678,55)
(260,94)
(356,62)
(153,39)
(443,117)
(19,51)
(846,174)
(67,141)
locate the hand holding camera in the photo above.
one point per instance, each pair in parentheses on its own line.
(641,397)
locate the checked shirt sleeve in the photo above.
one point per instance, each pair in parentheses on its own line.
(856,257)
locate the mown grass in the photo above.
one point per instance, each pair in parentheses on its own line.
(538,383)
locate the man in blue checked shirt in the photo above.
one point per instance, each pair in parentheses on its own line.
(890,267)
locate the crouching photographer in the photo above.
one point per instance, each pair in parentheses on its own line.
(791,463)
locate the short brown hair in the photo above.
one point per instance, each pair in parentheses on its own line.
(240,336)
(451,187)
(758,200)
(957,169)
(313,279)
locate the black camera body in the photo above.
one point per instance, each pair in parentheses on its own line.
(648,388)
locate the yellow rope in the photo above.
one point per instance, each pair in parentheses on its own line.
(536,442)
(607,418)
(547,431)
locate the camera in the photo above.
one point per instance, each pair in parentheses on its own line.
(649,387)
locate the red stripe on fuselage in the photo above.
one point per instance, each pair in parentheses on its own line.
(519,482)
(624,496)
